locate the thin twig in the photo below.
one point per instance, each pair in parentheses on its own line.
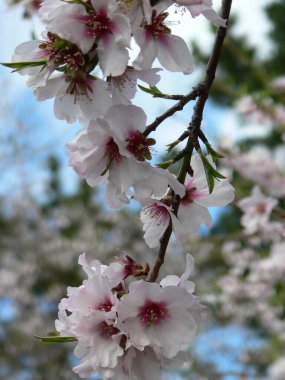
(177,107)
(204,87)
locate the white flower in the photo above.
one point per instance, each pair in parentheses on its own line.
(50,8)
(204,7)
(95,294)
(98,341)
(146,364)
(76,96)
(158,317)
(193,210)
(113,150)
(277,370)
(156,41)
(91,316)
(98,23)
(123,88)
(257,209)
(183,280)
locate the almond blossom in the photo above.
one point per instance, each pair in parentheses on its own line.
(193,211)
(277,370)
(77,96)
(156,41)
(257,209)
(158,317)
(113,151)
(204,7)
(123,87)
(97,23)
(129,332)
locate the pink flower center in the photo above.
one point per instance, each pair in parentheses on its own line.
(107,331)
(104,306)
(62,53)
(123,81)
(80,85)
(35,4)
(138,146)
(189,195)
(260,208)
(153,313)
(157,211)
(112,150)
(97,25)
(157,26)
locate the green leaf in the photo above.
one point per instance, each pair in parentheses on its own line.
(22,65)
(165,165)
(172,145)
(55,339)
(209,177)
(211,173)
(153,90)
(215,155)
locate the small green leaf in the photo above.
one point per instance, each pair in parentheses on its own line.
(55,339)
(209,177)
(22,65)
(154,91)
(147,90)
(172,145)
(211,173)
(165,165)
(215,155)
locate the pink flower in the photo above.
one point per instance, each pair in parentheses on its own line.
(183,280)
(156,41)
(257,209)
(123,87)
(161,318)
(204,7)
(146,364)
(77,96)
(100,23)
(193,210)
(91,316)
(113,150)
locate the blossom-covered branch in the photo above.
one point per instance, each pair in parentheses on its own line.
(195,125)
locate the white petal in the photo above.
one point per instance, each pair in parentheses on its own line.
(173,54)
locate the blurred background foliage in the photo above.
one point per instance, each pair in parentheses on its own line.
(41,240)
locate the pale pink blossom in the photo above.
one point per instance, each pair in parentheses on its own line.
(124,87)
(204,7)
(162,318)
(260,166)
(113,150)
(156,41)
(277,370)
(146,364)
(279,82)
(77,96)
(256,210)
(193,210)
(183,280)
(98,23)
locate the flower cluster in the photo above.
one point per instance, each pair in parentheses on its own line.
(83,62)
(128,328)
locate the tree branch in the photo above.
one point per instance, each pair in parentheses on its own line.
(202,92)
